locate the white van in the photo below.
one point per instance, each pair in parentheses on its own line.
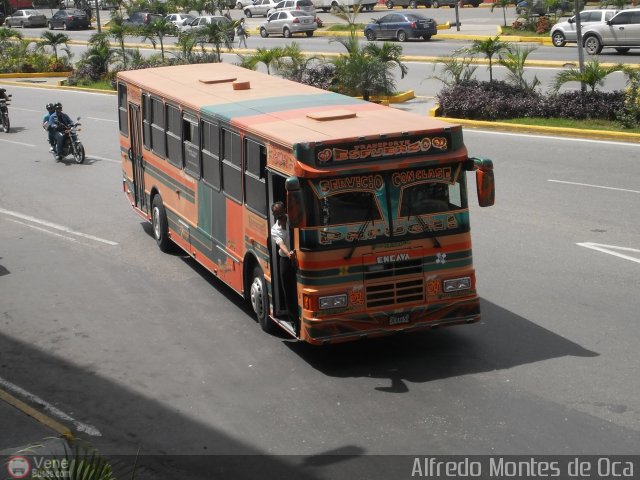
(326,5)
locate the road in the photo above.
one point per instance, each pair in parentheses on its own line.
(479,21)
(151,351)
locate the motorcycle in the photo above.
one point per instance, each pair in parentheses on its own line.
(4,112)
(72,146)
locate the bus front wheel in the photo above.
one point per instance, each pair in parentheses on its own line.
(260,300)
(160,225)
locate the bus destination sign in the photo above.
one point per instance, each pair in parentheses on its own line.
(382,149)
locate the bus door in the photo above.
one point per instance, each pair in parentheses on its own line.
(277,192)
(135,155)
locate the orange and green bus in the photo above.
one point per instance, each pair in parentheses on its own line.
(376,197)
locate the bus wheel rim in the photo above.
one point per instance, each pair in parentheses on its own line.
(256,296)
(156,222)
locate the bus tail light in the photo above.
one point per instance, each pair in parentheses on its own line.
(456,284)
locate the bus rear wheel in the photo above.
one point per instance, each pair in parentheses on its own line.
(160,225)
(259,298)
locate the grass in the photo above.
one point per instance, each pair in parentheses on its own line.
(604,125)
(510,31)
(341,27)
(99,85)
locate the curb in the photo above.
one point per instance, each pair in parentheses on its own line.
(553,131)
(37,415)
(58,87)
(35,75)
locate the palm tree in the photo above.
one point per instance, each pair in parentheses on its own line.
(360,74)
(270,57)
(99,52)
(8,34)
(54,40)
(218,34)
(186,43)
(389,54)
(594,75)
(502,4)
(489,47)
(158,29)
(514,60)
(118,31)
(456,70)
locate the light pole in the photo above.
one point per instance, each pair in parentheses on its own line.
(576,3)
(98,16)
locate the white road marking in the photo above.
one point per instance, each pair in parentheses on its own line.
(17,143)
(29,110)
(102,119)
(611,250)
(55,226)
(34,399)
(542,136)
(595,186)
(104,159)
(71,239)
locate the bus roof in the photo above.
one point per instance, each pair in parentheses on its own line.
(274,108)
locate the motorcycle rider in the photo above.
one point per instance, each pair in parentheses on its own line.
(60,121)
(49,128)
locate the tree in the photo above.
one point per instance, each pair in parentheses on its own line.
(456,70)
(594,75)
(358,73)
(54,40)
(218,34)
(514,60)
(270,57)
(186,43)
(7,35)
(502,4)
(389,55)
(99,53)
(489,47)
(158,29)
(118,31)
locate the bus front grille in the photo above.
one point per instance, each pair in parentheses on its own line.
(403,285)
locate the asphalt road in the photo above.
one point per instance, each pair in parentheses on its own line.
(151,351)
(478,21)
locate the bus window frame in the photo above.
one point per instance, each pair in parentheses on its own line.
(173,114)
(260,177)
(231,162)
(193,121)
(210,123)
(158,128)
(123,109)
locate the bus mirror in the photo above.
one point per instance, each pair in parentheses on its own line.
(485,183)
(295,203)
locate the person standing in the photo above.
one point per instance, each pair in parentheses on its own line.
(241,31)
(286,257)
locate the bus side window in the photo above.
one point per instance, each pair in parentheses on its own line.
(146,121)
(174,136)
(254,177)
(123,115)
(211,154)
(191,144)
(158,145)
(231,165)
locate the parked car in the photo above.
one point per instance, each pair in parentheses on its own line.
(200,22)
(564,32)
(139,19)
(538,7)
(288,22)
(408,3)
(240,4)
(107,5)
(401,26)
(303,5)
(260,7)
(26,18)
(452,3)
(68,19)
(622,32)
(180,19)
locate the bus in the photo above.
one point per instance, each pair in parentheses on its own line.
(376,197)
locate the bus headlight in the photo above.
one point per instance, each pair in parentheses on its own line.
(456,284)
(333,301)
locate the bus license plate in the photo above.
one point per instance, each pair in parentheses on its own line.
(398,319)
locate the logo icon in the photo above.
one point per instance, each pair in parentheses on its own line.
(441,258)
(18,467)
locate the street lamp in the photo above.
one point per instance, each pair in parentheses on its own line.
(576,3)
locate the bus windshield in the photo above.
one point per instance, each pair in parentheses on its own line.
(389,206)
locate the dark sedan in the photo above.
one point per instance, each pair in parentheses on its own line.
(401,26)
(68,19)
